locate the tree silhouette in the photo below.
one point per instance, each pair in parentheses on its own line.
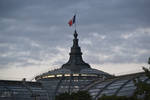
(80,95)
(143,88)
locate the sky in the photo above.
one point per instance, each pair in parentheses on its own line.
(114,35)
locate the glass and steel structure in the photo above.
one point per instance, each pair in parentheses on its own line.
(120,86)
(22,90)
(72,76)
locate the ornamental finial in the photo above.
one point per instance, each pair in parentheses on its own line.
(75,34)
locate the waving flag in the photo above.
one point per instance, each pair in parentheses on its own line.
(72,21)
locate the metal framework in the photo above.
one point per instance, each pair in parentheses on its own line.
(18,90)
(72,76)
(122,85)
(99,93)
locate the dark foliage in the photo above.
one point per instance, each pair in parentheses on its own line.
(63,96)
(143,88)
(113,97)
(80,95)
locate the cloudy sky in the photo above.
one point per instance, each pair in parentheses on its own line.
(114,35)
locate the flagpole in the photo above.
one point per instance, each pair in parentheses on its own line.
(75,25)
(75,20)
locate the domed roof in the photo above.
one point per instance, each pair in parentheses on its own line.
(63,71)
(73,75)
(75,64)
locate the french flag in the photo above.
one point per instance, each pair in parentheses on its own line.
(72,21)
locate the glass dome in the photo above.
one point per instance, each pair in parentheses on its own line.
(72,76)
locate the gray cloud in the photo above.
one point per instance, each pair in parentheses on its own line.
(32,31)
